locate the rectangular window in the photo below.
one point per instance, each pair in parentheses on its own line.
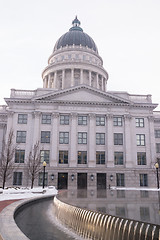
(21,137)
(157,147)
(143,180)
(100,121)
(19,156)
(120,211)
(17,178)
(64,137)
(64,119)
(141,158)
(63,157)
(100,157)
(118,158)
(140,140)
(45,137)
(118,138)
(139,122)
(144,214)
(82,157)
(45,156)
(22,118)
(157,133)
(117,121)
(82,120)
(120,179)
(82,138)
(46,118)
(100,138)
(40,180)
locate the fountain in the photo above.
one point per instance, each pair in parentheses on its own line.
(100,226)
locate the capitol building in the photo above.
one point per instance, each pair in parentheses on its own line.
(89,137)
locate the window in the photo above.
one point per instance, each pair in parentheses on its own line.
(45,156)
(144,214)
(100,121)
(118,158)
(118,138)
(100,157)
(63,137)
(21,137)
(120,211)
(22,118)
(64,119)
(17,178)
(19,156)
(40,182)
(63,157)
(139,122)
(143,180)
(82,138)
(120,179)
(141,158)
(100,138)
(46,118)
(82,120)
(45,137)
(157,133)
(82,157)
(140,140)
(117,121)
(157,147)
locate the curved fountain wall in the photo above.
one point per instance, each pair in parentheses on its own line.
(98,226)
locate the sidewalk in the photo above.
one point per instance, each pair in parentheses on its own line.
(5,203)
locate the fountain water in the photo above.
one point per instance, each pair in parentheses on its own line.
(98,226)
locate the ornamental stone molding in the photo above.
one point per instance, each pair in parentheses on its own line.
(150,118)
(55,115)
(36,114)
(74,115)
(92,115)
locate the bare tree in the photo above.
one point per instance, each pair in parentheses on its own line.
(34,163)
(6,162)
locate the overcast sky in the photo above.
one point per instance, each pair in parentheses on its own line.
(126,32)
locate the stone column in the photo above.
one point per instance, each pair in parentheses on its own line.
(72,77)
(49,80)
(54,154)
(127,142)
(110,144)
(90,78)
(81,76)
(55,80)
(150,142)
(63,78)
(92,141)
(73,141)
(45,82)
(36,130)
(97,81)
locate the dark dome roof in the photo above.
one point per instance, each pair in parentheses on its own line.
(76,36)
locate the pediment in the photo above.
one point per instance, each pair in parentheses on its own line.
(81,94)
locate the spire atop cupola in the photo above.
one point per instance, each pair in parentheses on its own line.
(76,25)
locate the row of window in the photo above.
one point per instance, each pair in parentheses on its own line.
(120,179)
(81,157)
(82,138)
(82,120)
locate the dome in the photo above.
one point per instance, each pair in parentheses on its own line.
(76,36)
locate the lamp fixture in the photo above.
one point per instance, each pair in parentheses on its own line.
(111,177)
(72,177)
(52,176)
(92,177)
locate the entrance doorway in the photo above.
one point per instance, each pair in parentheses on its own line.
(101,185)
(82,181)
(62,180)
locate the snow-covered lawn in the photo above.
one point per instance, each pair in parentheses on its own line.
(26,192)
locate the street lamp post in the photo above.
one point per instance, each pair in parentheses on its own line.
(157,167)
(44,166)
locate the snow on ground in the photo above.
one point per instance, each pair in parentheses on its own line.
(26,192)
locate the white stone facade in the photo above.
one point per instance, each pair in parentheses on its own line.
(92,135)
